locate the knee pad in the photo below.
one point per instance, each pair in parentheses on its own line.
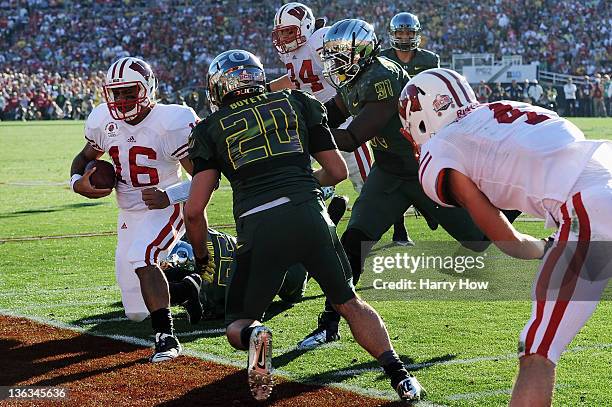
(137,316)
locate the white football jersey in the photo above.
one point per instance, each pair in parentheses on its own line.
(519,155)
(146,154)
(305,68)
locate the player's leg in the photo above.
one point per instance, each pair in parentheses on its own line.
(133,304)
(380,203)
(294,284)
(571,280)
(328,265)
(157,231)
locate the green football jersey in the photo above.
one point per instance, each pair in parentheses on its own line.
(383,80)
(421,60)
(261,144)
(221,248)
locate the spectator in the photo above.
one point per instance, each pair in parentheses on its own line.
(550,98)
(497,93)
(607,86)
(585,95)
(599,108)
(569,90)
(515,91)
(483,92)
(535,93)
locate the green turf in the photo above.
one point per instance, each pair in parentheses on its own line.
(46,278)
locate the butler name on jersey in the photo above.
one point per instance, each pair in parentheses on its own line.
(146,154)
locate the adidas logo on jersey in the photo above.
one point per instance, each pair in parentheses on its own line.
(124,226)
(131,139)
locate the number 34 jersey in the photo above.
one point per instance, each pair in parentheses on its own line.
(305,68)
(146,154)
(262,144)
(520,156)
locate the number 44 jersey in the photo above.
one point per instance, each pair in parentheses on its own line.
(262,144)
(520,156)
(146,154)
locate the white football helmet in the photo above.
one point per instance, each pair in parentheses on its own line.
(129,72)
(294,23)
(433,99)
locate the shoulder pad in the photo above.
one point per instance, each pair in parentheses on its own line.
(178,116)
(98,117)
(315,42)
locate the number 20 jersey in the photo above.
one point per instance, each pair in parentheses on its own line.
(519,155)
(305,68)
(262,145)
(146,154)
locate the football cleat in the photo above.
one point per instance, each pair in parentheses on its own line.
(193,304)
(400,235)
(410,389)
(259,367)
(337,208)
(167,347)
(326,332)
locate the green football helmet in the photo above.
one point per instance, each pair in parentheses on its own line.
(234,73)
(348,47)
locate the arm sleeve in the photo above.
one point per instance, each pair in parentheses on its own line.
(335,115)
(434,168)
(371,120)
(93,135)
(320,139)
(202,150)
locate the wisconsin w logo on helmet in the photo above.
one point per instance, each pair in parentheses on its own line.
(294,23)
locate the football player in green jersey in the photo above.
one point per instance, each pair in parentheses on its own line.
(262,143)
(368,88)
(405,37)
(208,300)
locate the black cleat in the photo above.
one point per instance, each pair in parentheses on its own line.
(337,208)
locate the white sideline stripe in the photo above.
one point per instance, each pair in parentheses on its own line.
(109,288)
(201,332)
(102,320)
(387,395)
(417,366)
(491,393)
(63,304)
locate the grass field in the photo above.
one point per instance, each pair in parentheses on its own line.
(463,352)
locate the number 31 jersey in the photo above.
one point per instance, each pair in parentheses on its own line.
(305,68)
(517,154)
(146,154)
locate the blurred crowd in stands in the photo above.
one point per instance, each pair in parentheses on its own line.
(53,53)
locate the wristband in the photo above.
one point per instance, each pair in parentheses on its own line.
(73,180)
(178,192)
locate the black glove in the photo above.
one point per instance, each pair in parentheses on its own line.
(206,268)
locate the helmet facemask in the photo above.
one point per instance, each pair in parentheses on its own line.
(405,39)
(288,38)
(126,100)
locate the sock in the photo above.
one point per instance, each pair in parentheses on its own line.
(181,291)
(245,336)
(393,367)
(161,320)
(330,313)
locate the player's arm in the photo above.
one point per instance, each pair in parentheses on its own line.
(281,83)
(79,178)
(322,147)
(156,198)
(491,220)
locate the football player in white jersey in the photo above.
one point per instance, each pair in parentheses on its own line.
(511,155)
(298,39)
(148,144)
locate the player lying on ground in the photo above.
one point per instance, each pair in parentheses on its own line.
(517,156)
(368,89)
(147,142)
(262,143)
(209,303)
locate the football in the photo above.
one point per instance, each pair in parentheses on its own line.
(104,176)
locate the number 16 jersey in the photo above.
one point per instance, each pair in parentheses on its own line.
(146,154)
(262,144)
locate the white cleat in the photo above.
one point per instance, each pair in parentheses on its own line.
(259,368)
(410,389)
(167,347)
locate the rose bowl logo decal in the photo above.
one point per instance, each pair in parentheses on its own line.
(441,102)
(111,129)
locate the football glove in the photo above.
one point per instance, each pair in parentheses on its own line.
(205,266)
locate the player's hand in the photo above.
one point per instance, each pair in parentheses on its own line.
(155,198)
(83,187)
(206,268)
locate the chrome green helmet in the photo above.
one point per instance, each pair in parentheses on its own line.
(405,23)
(348,47)
(234,73)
